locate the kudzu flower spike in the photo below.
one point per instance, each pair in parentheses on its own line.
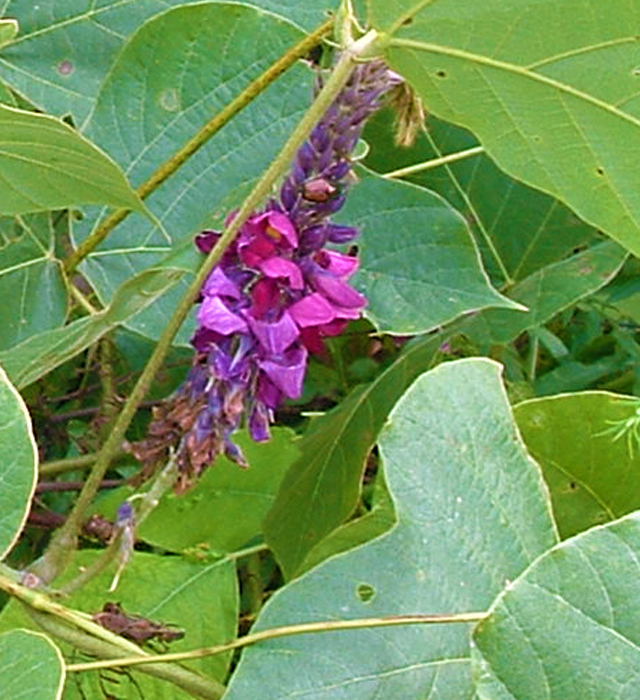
(277,292)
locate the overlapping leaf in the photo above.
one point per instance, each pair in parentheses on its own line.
(598,478)
(31,666)
(18,464)
(567,629)
(45,164)
(176,72)
(551,99)
(472,514)
(65,48)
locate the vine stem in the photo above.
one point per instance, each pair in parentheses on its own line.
(80,630)
(289,631)
(169,167)
(64,541)
(434,163)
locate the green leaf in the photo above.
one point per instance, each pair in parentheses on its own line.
(568,628)
(519,230)
(45,164)
(32,285)
(18,465)
(31,666)
(322,487)
(8,30)
(598,479)
(414,246)
(520,76)
(64,53)
(200,599)
(175,73)
(224,510)
(550,290)
(472,515)
(35,357)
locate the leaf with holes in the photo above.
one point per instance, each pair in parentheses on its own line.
(472,512)
(552,100)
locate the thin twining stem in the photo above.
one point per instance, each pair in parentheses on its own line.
(288,631)
(169,167)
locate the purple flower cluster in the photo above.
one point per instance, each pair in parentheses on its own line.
(278,290)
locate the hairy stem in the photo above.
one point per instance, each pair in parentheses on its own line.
(194,144)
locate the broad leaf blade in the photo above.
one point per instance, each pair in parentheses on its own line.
(472,514)
(45,164)
(179,91)
(598,479)
(534,103)
(35,357)
(18,465)
(65,50)
(322,487)
(568,628)
(31,666)
(415,247)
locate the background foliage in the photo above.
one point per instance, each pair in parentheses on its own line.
(470,447)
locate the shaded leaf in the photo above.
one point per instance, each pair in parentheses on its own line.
(35,357)
(550,290)
(567,629)
(414,248)
(175,72)
(32,284)
(18,465)
(45,164)
(322,487)
(65,50)
(31,666)
(534,104)
(224,510)
(598,478)
(472,514)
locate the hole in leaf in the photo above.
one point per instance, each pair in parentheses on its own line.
(600,171)
(441,73)
(407,21)
(365,592)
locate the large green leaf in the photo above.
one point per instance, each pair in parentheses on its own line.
(322,487)
(175,72)
(30,666)
(519,230)
(224,510)
(598,478)
(549,291)
(65,48)
(419,265)
(32,286)
(569,627)
(549,97)
(472,515)
(200,599)
(45,164)
(18,464)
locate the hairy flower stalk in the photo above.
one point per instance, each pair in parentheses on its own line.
(275,295)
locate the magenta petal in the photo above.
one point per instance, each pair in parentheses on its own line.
(289,376)
(215,316)
(219,284)
(339,264)
(312,310)
(279,267)
(338,292)
(281,223)
(275,337)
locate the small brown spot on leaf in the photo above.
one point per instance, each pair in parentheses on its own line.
(65,67)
